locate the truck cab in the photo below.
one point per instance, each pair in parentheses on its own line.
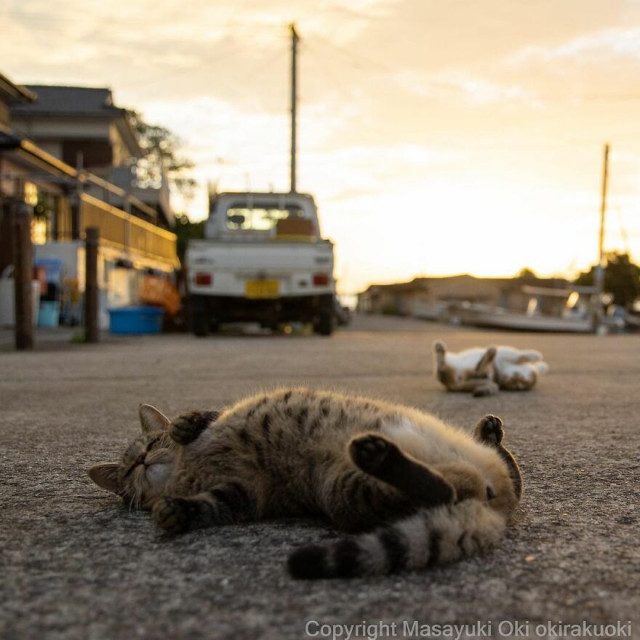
(262,259)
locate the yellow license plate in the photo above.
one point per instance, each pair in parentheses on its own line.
(262,288)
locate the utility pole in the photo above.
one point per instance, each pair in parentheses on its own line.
(599,272)
(294,102)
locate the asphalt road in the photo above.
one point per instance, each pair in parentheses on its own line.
(76,564)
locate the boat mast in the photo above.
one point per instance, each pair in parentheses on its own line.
(599,271)
(294,103)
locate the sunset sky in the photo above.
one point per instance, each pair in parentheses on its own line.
(437,137)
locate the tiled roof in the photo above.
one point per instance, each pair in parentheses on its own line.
(69,100)
(14,92)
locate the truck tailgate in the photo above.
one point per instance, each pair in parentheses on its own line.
(235,267)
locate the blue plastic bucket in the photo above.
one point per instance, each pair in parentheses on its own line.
(135,320)
(49,313)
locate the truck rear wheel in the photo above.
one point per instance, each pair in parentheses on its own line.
(200,327)
(199,317)
(325,322)
(324,327)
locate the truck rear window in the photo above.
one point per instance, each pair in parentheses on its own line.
(260,219)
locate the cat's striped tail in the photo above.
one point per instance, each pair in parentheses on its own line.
(430,537)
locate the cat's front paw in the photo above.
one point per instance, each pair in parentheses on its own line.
(187,427)
(371,452)
(490,430)
(171,514)
(484,389)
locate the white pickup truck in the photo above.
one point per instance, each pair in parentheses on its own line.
(262,260)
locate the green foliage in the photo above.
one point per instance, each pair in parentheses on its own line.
(45,207)
(162,151)
(187,230)
(526,274)
(621,278)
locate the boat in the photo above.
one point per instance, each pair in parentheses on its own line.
(632,317)
(567,310)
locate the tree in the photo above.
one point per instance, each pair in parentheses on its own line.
(186,230)
(526,274)
(162,151)
(621,278)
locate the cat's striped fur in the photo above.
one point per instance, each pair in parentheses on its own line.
(431,536)
(436,492)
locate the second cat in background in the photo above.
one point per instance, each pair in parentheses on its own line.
(483,371)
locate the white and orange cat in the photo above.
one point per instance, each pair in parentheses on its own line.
(483,371)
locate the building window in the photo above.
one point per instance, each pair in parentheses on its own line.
(43,226)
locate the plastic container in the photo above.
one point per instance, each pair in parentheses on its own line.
(49,313)
(135,320)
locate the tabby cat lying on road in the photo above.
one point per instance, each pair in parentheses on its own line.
(424,491)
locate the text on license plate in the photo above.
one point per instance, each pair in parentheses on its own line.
(262,288)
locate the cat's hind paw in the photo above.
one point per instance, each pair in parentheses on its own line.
(439,347)
(371,452)
(490,430)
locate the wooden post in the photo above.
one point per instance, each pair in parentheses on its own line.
(74,205)
(76,199)
(6,233)
(23,276)
(92,239)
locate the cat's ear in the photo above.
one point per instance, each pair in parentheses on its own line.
(105,475)
(151,419)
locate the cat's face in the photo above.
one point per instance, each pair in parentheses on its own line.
(141,475)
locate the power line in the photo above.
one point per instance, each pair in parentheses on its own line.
(352,56)
(253,72)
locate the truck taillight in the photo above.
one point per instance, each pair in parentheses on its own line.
(320,279)
(203,279)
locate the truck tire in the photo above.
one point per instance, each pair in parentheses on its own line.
(324,326)
(199,317)
(325,322)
